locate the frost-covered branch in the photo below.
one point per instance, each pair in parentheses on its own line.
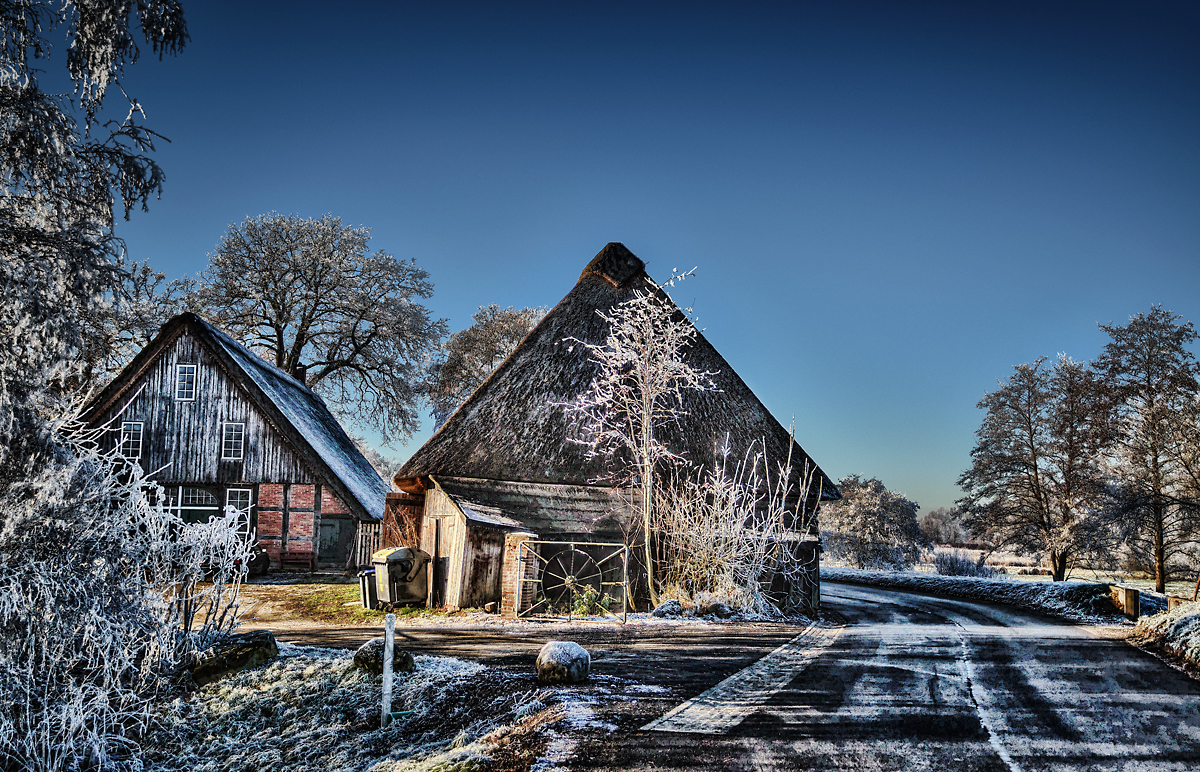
(643,377)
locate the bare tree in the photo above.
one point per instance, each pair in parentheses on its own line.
(1152,378)
(643,377)
(348,323)
(1037,482)
(871,526)
(469,356)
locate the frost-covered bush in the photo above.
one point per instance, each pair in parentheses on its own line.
(102,599)
(723,535)
(1177,631)
(871,527)
(960,563)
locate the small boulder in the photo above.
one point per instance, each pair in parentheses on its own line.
(669,608)
(563,662)
(716,609)
(369,657)
(233,654)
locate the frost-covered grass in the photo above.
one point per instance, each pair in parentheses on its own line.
(1176,631)
(311,709)
(1077,601)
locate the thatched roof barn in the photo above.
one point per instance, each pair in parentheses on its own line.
(509,450)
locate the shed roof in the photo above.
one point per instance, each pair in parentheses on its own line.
(296,411)
(539,507)
(515,426)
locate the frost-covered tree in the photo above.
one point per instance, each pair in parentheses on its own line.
(943,526)
(386,467)
(469,356)
(98,588)
(1037,482)
(310,296)
(1152,379)
(871,527)
(65,165)
(643,377)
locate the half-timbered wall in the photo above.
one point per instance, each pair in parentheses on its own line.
(181,447)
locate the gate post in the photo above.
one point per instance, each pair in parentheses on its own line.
(514,569)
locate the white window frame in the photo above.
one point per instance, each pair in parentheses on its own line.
(249,499)
(127,439)
(227,452)
(179,372)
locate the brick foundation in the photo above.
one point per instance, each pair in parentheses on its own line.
(512,572)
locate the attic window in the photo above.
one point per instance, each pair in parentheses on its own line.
(185,383)
(131,439)
(233,439)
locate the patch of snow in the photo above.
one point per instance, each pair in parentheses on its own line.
(1077,601)
(1177,631)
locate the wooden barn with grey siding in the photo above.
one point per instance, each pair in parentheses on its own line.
(218,426)
(508,461)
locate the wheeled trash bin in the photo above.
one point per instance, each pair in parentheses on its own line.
(401,575)
(366,588)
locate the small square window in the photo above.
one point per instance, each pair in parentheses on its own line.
(232,441)
(131,439)
(239,499)
(185,383)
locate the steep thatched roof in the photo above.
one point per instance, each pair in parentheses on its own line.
(515,426)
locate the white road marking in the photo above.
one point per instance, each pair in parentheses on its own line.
(727,704)
(988,715)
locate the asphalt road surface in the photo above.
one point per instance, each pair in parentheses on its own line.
(909,682)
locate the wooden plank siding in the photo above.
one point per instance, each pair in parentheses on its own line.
(181,440)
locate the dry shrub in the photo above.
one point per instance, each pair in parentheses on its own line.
(742,536)
(102,599)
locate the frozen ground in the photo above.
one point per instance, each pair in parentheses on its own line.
(1076,601)
(1177,632)
(311,709)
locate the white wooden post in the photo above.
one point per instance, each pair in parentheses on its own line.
(389,650)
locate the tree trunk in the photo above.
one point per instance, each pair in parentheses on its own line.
(1160,553)
(1058,566)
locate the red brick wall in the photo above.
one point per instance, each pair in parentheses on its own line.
(512,601)
(330,504)
(300,497)
(270,519)
(270,495)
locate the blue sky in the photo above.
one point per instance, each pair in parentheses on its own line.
(890,204)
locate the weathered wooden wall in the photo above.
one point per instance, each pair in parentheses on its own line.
(181,440)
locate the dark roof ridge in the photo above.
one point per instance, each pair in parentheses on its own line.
(615,264)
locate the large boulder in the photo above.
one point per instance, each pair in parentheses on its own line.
(233,654)
(369,657)
(563,662)
(669,608)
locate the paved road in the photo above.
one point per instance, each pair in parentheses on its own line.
(918,683)
(910,682)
